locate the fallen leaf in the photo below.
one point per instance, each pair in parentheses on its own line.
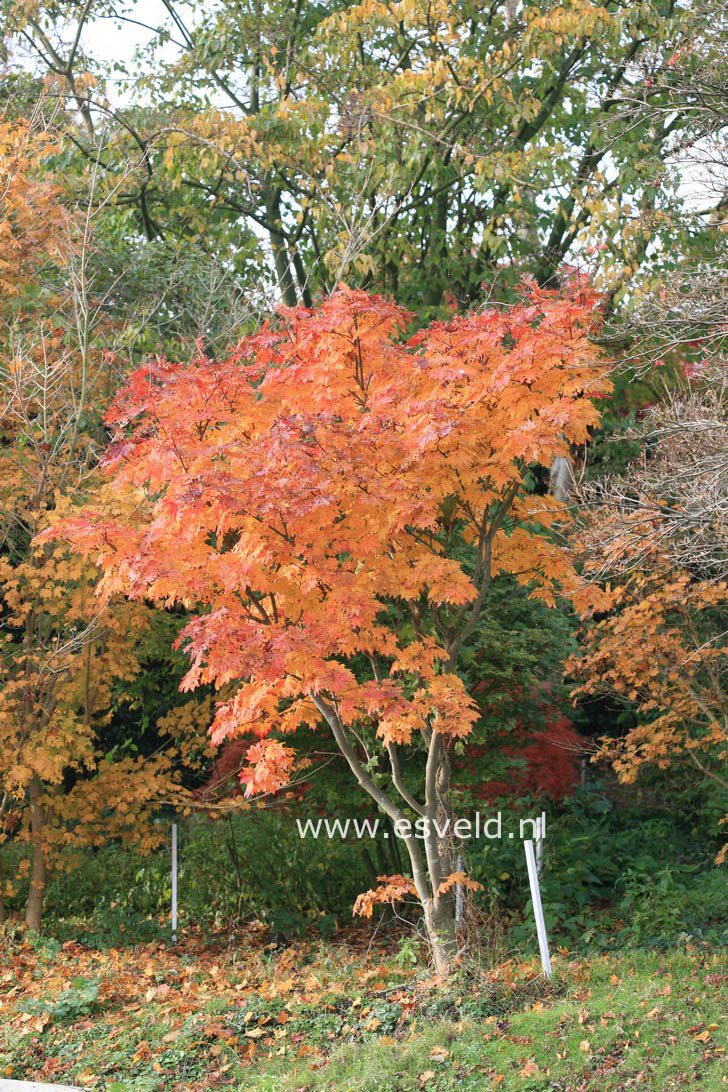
(529,1070)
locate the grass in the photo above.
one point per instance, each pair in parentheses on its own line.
(641,1021)
(211,1013)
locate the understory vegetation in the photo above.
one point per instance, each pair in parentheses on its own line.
(270,985)
(616,872)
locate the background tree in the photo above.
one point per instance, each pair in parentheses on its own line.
(64,663)
(676,492)
(420,150)
(658,530)
(663,648)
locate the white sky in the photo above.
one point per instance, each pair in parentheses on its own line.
(112,41)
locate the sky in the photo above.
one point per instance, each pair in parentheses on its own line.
(112,41)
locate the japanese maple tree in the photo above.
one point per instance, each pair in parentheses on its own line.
(334,502)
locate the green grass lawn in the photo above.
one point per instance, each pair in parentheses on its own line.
(643,1020)
(212,1013)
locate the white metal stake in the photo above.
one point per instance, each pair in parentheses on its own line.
(174,883)
(540,833)
(543,943)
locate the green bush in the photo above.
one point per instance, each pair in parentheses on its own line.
(612,875)
(253,865)
(672,903)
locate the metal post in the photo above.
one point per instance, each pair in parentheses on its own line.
(543,943)
(174,883)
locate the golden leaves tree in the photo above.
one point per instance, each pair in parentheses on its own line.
(61,657)
(659,534)
(660,530)
(658,649)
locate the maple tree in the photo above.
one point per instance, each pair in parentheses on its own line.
(662,647)
(335,502)
(658,532)
(541,762)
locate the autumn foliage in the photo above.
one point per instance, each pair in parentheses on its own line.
(658,649)
(334,502)
(64,660)
(542,762)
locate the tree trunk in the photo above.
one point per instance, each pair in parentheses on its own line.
(439,910)
(440,926)
(3,913)
(438,248)
(432,867)
(561,478)
(34,905)
(286,286)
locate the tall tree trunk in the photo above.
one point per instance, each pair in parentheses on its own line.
(440,854)
(440,926)
(438,249)
(34,905)
(561,478)
(272,200)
